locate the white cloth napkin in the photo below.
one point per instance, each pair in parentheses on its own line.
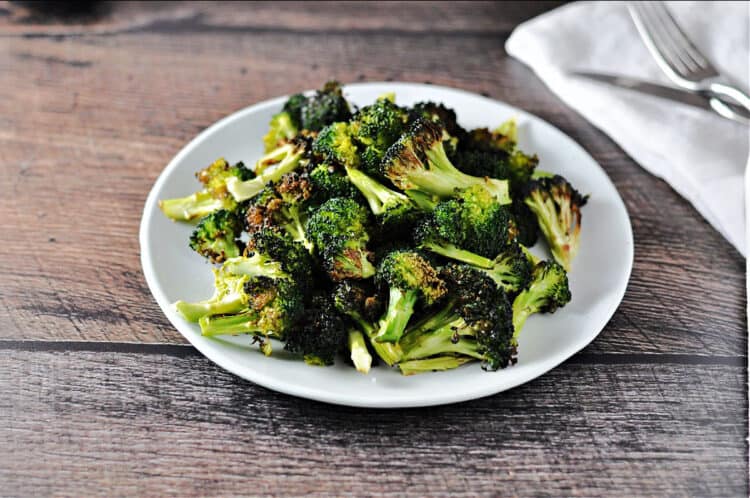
(702,156)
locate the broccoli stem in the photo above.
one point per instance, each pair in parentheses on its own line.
(453,252)
(232,303)
(422,200)
(378,196)
(242,323)
(433,364)
(361,267)
(552,227)
(524,305)
(295,227)
(242,191)
(450,179)
(359,354)
(387,351)
(444,340)
(257,265)
(193,206)
(400,309)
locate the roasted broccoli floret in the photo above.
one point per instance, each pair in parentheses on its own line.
(500,145)
(557,206)
(229,297)
(286,124)
(320,334)
(527,226)
(212,197)
(438,113)
(282,160)
(274,307)
(392,209)
(335,144)
(338,230)
(374,129)
(328,181)
(217,236)
(409,278)
(476,322)
(352,299)
(292,256)
(475,221)
(547,292)
(325,107)
(417,161)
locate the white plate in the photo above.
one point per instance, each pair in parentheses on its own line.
(598,280)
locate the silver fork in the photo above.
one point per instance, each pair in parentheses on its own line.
(682,62)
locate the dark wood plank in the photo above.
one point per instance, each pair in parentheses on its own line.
(97,423)
(89,119)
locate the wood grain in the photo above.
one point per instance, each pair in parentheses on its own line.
(95,423)
(89,117)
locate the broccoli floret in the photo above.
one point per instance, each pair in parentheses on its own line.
(212,197)
(335,144)
(547,292)
(320,334)
(474,221)
(338,230)
(525,221)
(557,206)
(217,236)
(354,300)
(328,181)
(284,125)
(374,129)
(476,162)
(325,107)
(476,322)
(516,166)
(282,160)
(276,245)
(393,210)
(409,278)
(229,297)
(438,113)
(417,161)
(274,307)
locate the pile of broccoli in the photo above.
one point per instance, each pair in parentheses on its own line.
(385,234)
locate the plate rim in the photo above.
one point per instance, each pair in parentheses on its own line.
(268,381)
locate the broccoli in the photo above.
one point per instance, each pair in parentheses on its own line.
(476,322)
(417,161)
(320,334)
(434,364)
(514,164)
(374,129)
(438,113)
(474,221)
(275,245)
(229,297)
(338,230)
(353,300)
(212,197)
(392,209)
(328,181)
(358,351)
(285,124)
(481,163)
(557,206)
(325,107)
(274,306)
(217,236)
(409,278)
(547,292)
(336,143)
(282,160)
(525,222)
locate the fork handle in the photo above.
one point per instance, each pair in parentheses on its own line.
(726,94)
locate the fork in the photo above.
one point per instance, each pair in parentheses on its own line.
(682,62)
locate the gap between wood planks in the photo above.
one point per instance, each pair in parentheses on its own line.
(184,350)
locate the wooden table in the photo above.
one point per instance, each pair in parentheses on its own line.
(99,395)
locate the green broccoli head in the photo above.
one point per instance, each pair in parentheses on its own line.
(293,257)
(336,144)
(481,163)
(375,128)
(417,161)
(339,232)
(217,236)
(474,221)
(557,206)
(409,277)
(508,159)
(325,107)
(476,322)
(320,334)
(328,181)
(273,308)
(440,114)
(511,269)
(282,127)
(548,291)
(212,197)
